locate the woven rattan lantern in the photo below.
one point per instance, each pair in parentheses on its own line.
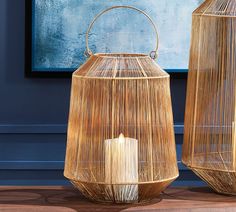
(120,136)
(210,130)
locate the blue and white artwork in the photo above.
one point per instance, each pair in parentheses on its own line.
(59,28)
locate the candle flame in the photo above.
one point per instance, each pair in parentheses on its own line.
(121,137)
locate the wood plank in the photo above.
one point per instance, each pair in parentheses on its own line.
(68,199)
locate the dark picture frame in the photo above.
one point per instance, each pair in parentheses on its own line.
(29,72)
(67,72)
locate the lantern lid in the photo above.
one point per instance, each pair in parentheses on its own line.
(224,8)
(120,66)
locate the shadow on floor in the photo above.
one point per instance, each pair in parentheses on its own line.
(55,199)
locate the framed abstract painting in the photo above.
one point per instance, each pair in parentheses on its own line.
(55,33)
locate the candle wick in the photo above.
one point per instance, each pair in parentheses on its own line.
(121,137)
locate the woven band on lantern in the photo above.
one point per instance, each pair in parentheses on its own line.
(120,144)
(210,131)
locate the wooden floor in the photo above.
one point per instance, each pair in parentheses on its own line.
(67,199)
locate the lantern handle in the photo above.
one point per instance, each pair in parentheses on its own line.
(153,54)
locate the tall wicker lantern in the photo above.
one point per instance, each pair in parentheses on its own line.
(120,144)
(210,120)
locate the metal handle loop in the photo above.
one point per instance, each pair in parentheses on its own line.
(88,52)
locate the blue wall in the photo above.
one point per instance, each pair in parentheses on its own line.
(33,112)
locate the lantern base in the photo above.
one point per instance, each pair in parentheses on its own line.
(122,194)
(223,182)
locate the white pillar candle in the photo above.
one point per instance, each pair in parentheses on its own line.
(121,167)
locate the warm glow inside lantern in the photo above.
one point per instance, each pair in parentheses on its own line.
(209,138)
(120,136)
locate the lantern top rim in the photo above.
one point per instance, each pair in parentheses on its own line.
(217,8)
(119,55)
(121,78)
(214,15)
(120,66)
